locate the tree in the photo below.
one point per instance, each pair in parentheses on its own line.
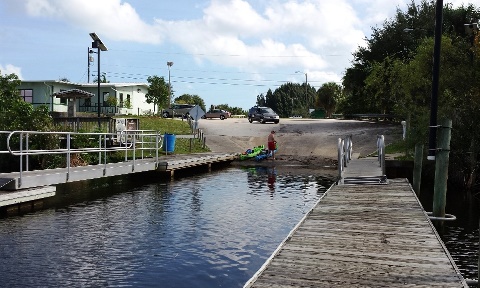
(328,96)
(398,40)
(16,114)
(103,78)
(288,99)
(191,99)
(394,73)
(158,92)
(232,110)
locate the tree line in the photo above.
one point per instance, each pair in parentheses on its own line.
(393,74)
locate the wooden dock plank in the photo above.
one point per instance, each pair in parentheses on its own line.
(362,236)
(363,167)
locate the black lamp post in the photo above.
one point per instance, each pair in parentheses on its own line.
(432,140)
(97,43)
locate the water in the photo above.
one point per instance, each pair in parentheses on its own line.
(209,230)
(461,237)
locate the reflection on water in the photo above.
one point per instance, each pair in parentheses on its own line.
(210,230)
(461,237)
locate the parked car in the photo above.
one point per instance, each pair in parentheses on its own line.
(178,110)
(217,113)
(262,115)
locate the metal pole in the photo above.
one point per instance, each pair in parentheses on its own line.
(441,168)
(88,60)
(169,64)
(417,168)
(306,93)
(435,81)
(98,86)
(169,89)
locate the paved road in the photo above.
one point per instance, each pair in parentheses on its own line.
(297,137)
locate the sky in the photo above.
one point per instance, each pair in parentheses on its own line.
(225,51)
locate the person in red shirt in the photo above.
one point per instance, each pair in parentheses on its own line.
(271,144)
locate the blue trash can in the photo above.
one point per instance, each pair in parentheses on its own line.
(168,142)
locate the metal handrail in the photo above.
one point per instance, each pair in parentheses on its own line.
(129,141)
(381,152)
(345,150)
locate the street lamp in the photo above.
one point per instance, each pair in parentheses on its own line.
(306,94)
(97,43)
(169,64)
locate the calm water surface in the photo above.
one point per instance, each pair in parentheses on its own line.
(210,230)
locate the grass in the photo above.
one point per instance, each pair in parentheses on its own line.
(177,127)
(398,147)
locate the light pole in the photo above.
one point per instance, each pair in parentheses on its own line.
(306,93)
(97,43)
(432,140)
(169,64)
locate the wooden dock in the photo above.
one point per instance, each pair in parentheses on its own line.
(366,235)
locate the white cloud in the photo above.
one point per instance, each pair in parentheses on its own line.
(110,18)
(309,35)
(9,69)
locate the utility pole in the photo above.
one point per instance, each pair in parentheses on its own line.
(169,64)
(89,59)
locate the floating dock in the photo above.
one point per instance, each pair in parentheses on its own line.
(362,235)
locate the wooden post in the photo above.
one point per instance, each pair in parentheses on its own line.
(417,168)
(441,168)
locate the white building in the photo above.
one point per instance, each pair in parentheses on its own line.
(115,98)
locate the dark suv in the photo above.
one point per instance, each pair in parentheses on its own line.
(178,110)
(262,115)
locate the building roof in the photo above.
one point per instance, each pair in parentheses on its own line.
(126,84)
(73,94)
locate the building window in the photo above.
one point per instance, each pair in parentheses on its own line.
(105,97)
(121,100)
(88,102)
(63,100)
(27,95)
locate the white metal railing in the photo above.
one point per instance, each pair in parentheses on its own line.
(381,152)
(130,142)
(345,150)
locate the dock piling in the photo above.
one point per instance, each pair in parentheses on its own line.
(441,168)
(417,168)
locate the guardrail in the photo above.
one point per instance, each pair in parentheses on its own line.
(381,152)
(131,142)
(345,150)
